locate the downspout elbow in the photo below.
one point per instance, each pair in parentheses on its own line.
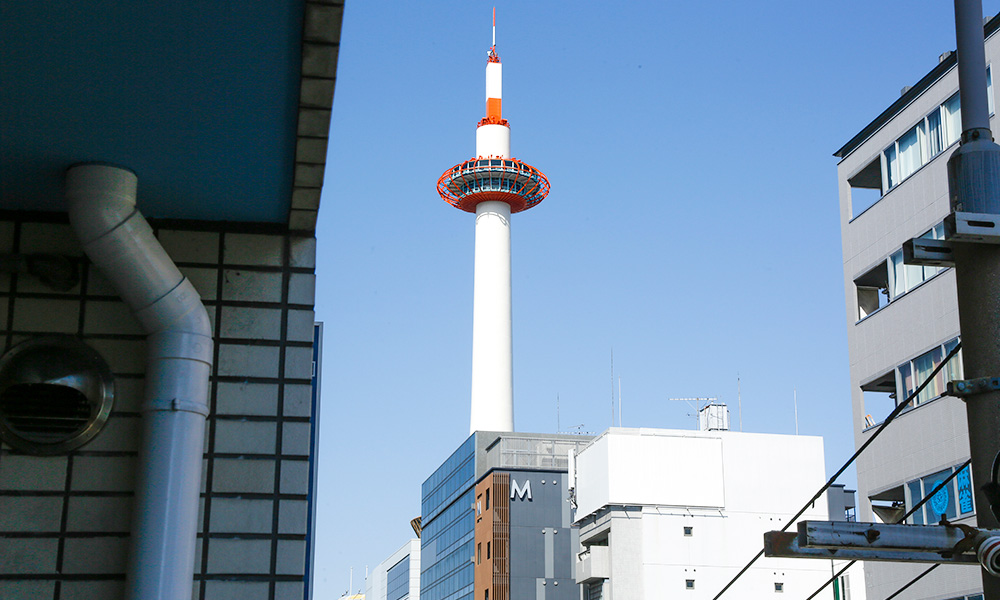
(120,242)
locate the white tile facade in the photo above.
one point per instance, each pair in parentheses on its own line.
(64,520)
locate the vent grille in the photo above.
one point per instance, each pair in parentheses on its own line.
(43,411)
(56,394)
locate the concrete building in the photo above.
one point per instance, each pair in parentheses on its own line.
(178,356)
(902,320)
(671,513)
(398,576)
(502,501)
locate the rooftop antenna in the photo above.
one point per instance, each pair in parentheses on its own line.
(619,400)
(494,26)
(612,386)
(695,403)
(558,428)
(795,402)
(739,400)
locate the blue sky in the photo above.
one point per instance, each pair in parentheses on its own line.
(692,226)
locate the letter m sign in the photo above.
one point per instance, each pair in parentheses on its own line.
(518,491)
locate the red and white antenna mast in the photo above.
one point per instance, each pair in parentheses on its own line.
(493,185)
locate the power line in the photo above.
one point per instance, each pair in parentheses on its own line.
(892,415)
(912,581)
(912,510)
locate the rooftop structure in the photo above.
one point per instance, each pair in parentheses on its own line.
(666,513)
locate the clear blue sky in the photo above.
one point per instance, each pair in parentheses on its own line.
(692,225)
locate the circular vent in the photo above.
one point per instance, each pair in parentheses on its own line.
(55,395)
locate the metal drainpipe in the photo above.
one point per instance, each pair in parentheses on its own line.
(121,244)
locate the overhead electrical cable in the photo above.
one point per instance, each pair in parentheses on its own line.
(912,581)
(892,415)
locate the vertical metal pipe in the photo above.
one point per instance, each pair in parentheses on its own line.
(971,64)
(974,182)
(120,242)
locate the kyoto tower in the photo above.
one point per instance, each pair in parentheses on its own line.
(493,185)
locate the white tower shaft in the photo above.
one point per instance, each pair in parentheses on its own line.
(492,346)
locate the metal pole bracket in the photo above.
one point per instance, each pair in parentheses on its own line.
(962,388)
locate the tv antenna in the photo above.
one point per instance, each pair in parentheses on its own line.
(696,404)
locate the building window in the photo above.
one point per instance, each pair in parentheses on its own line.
(866,186)
(953,500)
(779,586)
(688,531)
(873,289)
(845,588)
(913,372)
(939,129)
(689,584)
(883,393)
(487,550)
(890,279)
(487,498)
(479,553)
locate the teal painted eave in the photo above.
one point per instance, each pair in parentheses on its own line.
(200,99)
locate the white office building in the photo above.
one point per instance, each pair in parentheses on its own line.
(672,513)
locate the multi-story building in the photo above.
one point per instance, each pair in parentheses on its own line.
(158,379)
(398,576)
(902,320)
(495,520)
(664,513)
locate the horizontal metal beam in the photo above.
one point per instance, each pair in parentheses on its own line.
(843,534)
(784,544)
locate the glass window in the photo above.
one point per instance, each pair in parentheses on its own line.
(905,382)
(923,365)
(952,500)
(952,114)
(941,503)
(954,369)
(897,274)
(910,158)
(989,89)
(935,135)
(913,488)
(892,168)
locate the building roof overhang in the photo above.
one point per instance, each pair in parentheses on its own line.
(947,62)
(221,109)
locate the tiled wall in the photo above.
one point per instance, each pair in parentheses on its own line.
(64,520)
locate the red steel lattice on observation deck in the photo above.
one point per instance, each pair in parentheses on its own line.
(503,179)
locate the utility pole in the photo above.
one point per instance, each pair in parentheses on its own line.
(974,186)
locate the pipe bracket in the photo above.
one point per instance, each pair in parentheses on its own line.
(176,405)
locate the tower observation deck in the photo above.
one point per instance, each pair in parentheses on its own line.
(493,185)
